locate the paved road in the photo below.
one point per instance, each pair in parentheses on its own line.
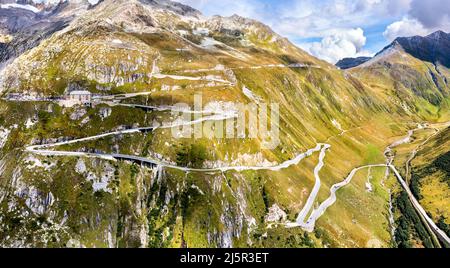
(96,137)
(414,154)
(416,150)
(164,108)
(437,231)
(122,96)
(312,197)
(309,225)
(42,150)
(218,116)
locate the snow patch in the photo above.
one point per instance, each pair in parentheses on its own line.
(19,6)
(183,32)
(209,43)
(4,133)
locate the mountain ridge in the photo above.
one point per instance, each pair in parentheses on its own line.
(433,48)
(347,63)
(421,47)
(138,59)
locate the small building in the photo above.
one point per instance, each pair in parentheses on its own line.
(81,96)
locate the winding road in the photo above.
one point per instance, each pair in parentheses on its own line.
(42,150)
(309,224)
(303,221)
(437,129)
(435,229)
(315,191)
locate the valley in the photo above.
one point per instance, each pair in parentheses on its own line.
(121,125)
(315,214)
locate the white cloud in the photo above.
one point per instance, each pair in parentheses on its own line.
(423,17)
(341,44)
(398,7)
(309,18)
(336,22)
(404,28)
(431,13)
(301,20)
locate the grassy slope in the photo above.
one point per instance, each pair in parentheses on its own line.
(433,181)
(309,98)
(418,85)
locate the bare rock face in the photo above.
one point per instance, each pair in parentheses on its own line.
(434,48)
(166,48)
(29,39)
(15,19)
(276,214)
(27,23)
(173,6)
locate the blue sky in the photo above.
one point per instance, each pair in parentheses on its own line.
(334,29)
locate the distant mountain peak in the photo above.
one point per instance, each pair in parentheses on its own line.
(433,48)
(172,6)
(435,36)
(348,63)
(438,35)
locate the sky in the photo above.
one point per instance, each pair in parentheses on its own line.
(335,29)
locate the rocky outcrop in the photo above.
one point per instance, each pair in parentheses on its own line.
(276,214)
(15,19)
(29,29)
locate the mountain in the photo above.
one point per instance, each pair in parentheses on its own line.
(25,24)
(114,174)
(430,178)
(433,48)
(348,63)
(15,19)
(412,65)
(415,69)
